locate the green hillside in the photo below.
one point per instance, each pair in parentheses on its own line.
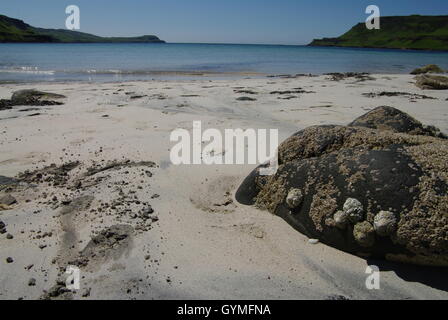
(407,32)
(14,30)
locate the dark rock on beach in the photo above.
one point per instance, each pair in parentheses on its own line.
(431,82)
(431,68)
(246,99)
(2,227)
(397,94)
(58,292)
(35,98)
(5,104)
(388,118)
(376,188)
(31,97)
(358,76)
(53,174)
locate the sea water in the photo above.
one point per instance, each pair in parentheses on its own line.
(126,61)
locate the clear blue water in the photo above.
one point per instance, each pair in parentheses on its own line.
(110,62)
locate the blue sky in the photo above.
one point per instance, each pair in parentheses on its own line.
(216,21)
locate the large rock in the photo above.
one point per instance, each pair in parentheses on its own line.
(348,176)
(35,98)
(31,97)
(431,82)
(430,68)
(388,118)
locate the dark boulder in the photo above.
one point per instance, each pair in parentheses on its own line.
(388,118)
(35,98)
(31,98)
(430,68)
(344,173)
(431,82)
(5,104)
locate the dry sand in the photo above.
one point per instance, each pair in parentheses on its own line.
(199,243)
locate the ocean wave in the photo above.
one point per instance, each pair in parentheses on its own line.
(160,72)
(27,70)
(22,72)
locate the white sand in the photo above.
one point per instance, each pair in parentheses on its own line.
(204,250)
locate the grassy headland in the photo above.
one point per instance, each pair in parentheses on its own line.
(14,30)
(401,32)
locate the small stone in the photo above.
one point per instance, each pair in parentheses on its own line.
(341,219)
(86,292)
(66,202)
(9,260)
(313,241)
(385,223)
(294,198)
(246,99)
(354,209)
(32,282)
(364,234)
(9,236)
(145,214)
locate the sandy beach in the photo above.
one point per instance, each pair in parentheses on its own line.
(179,232)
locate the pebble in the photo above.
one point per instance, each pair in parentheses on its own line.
(86,292)
(32,282)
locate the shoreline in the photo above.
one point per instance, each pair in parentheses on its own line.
(182,76)
(145,76)
(379,48)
